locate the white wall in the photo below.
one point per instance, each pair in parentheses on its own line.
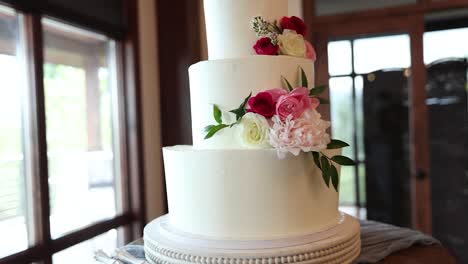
(152,142)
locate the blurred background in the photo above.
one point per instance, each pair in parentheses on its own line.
(90,92)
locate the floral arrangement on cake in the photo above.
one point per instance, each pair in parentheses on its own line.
(286,119)
(283,38)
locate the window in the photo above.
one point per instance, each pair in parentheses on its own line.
(79,99)
(14,208)
(65,170)
(349,62)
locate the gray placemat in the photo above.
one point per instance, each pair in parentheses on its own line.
(378,240)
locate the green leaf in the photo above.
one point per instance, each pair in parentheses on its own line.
(217,114)
(208,128)
(337,144)
(334,177)
(287,84)
(240,111)
(342,160)
(317,90)
(214,130)
(325,167)
(317,159)
(275,27)
(304,81)
(323,100)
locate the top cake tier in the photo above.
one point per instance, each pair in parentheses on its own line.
(228,24)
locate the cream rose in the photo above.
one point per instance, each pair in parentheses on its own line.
(292,44)
(254,131)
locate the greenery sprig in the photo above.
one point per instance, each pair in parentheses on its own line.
(211,130)
(327,164)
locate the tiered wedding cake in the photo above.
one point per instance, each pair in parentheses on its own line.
(260,183)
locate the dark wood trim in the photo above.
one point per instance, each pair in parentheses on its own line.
(178,49)
(309,12)
(131,70)
(320,42)
(383,25)
(65,16)
(418,8)
(82,21)
(35,62)
(419,138)
(43,251)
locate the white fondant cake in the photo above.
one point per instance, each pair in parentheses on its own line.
(233,203)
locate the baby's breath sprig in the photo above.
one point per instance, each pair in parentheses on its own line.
(264,28)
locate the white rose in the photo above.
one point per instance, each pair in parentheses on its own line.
(292,44)
(254,131)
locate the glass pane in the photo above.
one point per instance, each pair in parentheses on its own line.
(445,44)
(13,201)
(362,184)
(329,7)
(80,135)
(339,58)
(359,85)
(377,53)
(347,186)
(84,252)
(341,104)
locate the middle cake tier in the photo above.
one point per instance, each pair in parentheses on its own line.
(247,194)
(227,83)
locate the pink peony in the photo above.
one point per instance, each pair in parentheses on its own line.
(306,133)
(310,51)
(294,103)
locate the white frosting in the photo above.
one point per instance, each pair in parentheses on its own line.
(228,24)
(246,194)
(227,83)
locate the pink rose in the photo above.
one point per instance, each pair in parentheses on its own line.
(264,103)
(294,23)
(306,133)
(310,51)
(265,47)
(294,103)
(276,93)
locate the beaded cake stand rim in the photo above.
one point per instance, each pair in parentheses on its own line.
(340,246)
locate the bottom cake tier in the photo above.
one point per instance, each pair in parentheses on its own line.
(338,244)
(247,194)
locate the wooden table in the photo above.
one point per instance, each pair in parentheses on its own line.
(435,254)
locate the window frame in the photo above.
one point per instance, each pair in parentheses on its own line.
(132,218)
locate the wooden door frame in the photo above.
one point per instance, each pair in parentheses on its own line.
(322,30)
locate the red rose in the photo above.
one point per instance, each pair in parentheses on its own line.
(265,47)
(294,23)
(262,104)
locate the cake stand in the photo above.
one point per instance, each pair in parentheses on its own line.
(339,244)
